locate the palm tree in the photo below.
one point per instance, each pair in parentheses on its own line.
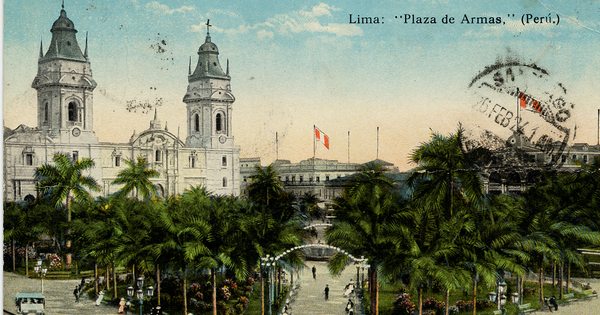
(264,185)
(136,177)
(446,176)
(65,180)
(366,213)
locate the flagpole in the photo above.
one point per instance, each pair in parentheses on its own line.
(276,146)
(314,143)
(377,143)
(598,127)
(349,144)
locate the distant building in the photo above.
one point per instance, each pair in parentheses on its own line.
(65,85)
(323,178)
(514,170)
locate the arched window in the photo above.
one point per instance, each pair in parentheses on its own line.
(224,181)
(73,111)
(196,123)
(219,123)
(157,156)
(46,114)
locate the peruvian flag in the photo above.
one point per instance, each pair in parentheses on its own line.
(321,136)
(524,99)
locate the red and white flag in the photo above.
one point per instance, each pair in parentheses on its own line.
(321,136)
(525,99)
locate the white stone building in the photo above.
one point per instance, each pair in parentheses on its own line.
(65,109)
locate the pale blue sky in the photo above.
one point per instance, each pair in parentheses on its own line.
(298,63)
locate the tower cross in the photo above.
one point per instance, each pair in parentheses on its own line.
(208,27)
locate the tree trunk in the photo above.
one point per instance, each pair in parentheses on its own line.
(214,290)
(447,300)
(541,282)
(107,278)
(26,262)
(133,273)
(158,283)
(560,281)
(69,229)
(568,275)
(553,274)
(420,301)
(96,278)
(262,293)
(184,292)
(474,294)
(373,288)
(114,280)
(14,256)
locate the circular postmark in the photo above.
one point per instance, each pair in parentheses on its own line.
(521,109)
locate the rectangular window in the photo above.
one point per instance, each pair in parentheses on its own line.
(585,159)
(224,161)
(563,158)
(75,156)
(301,178)
(29,159)
(192,161)
(318,179)
(327,177)
(117,161)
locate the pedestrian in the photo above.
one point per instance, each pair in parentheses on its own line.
(349,306)
(158,310)
(552,302)
(326,292)
(76,294)
(314,271)
(122,306)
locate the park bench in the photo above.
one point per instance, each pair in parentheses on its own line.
(568,298)
(525,308)
(588,294)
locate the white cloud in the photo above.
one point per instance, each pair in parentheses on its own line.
(313,20)
(164,9)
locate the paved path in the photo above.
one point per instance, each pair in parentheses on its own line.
(59,296)
(586,307)
(311,298)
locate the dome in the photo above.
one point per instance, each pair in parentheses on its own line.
(208,46)
(63,22)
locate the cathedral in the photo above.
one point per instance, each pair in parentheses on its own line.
(65,108)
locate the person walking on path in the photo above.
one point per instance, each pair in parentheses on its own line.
(76,294)
(122,306)
(314,271)
(326,292)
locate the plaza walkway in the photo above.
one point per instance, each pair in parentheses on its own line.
(583,307)
(59,296)
(311,297)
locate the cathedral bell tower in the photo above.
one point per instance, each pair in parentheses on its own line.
(209,100)
(209,112)
(64,85)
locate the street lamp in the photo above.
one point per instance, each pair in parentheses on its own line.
(501,286)
(267,263)
(139,294)
(39,269)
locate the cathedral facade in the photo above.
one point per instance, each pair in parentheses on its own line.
(65,86)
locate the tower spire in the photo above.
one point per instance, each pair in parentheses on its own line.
(41,48)
(85,54)
(155,111)
(227,73)
(190,67)
(63,4)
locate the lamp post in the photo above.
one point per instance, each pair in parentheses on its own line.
(39,269)
(268,263)
(501,287)
(140,292)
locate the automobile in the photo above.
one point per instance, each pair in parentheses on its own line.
(30,303)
